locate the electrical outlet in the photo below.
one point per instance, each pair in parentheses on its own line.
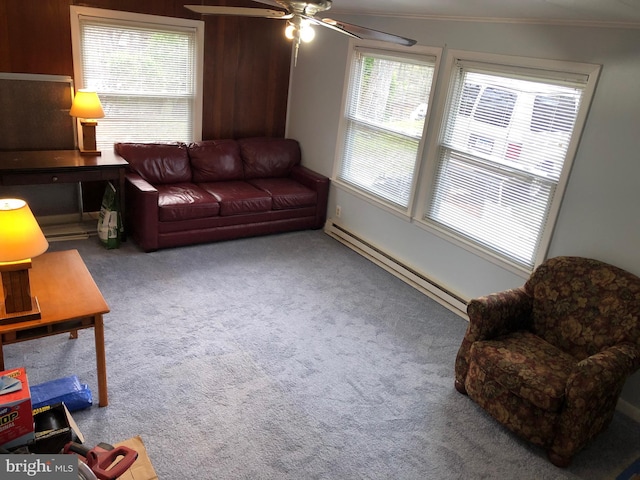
(338,211)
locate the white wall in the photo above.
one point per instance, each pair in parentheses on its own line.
(599,214)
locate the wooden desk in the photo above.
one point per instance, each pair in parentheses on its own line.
(69,301)
(33,167)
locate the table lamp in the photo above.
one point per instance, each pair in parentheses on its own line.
(87,107)
(20,240)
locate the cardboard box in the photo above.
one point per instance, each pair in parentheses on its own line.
(16,418)
(54,428)
(141,468)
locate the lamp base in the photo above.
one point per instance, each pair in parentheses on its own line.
(90,152)
(33,314)
(88,146)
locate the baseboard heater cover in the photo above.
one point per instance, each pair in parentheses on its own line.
(402,271)
(68,226)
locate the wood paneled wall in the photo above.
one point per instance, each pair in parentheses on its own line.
(247,60)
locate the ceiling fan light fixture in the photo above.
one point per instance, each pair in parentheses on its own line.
(289,32)
(307,33)
(299,30)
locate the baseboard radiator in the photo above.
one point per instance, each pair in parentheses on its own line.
(402,271)
(68,226)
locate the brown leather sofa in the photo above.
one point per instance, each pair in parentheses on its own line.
(180,194)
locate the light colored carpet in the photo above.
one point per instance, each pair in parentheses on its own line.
(288,357)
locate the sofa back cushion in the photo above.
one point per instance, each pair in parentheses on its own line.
(583,306)
(215,161)
(269,157)
(157,163)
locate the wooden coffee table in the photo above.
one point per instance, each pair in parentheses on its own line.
(69,301)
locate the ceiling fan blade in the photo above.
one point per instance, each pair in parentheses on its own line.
(238,11)
(364,33)
(332,25)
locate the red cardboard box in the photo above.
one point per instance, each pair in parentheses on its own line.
(16,416)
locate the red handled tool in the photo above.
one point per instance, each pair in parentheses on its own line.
(105,461)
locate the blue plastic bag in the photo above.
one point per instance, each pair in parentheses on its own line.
(76,396)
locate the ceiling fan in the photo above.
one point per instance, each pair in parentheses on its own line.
(300,15)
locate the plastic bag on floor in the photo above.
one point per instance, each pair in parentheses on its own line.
(69,390)
(109,220)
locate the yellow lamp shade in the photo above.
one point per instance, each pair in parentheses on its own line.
(86,104)
(20,234)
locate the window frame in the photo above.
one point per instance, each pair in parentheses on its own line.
(143,20)
(443,105)
(394,52)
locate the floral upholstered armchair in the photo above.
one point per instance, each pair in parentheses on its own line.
(549,360)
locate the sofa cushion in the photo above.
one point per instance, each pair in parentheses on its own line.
(185,201)
(269,157)
(236,197)
(286,193)
(215,161)
(157,163)
(527,366)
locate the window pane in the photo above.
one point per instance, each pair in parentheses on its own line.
(505,144)
(518,123)
(144,77)
(470,92)
(390,174)
(385,117)
(496,209)
(553,113)
(165,117)
(135,60)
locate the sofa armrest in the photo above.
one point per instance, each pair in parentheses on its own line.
(142,211)
(140,183)
(318,183)
(309,178)
(592,393)
(489,317)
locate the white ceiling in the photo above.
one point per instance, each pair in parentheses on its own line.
(605,12)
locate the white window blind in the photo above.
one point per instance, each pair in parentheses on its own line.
(144,75)
(385,115)
(503,149)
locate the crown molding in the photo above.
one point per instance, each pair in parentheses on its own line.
(507,20)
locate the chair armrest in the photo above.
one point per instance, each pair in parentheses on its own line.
(142,211)
(319,184)
(598,375)
(499,313)
(489,317)
(591,395)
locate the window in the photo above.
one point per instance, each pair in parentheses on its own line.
(507,137)
(386,109)
(146,71)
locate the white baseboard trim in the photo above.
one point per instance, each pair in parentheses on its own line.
(629,410)
(392,265)
(69,226)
